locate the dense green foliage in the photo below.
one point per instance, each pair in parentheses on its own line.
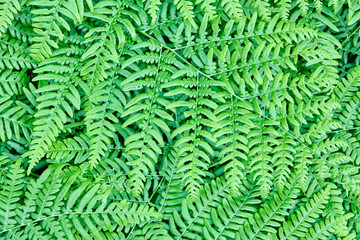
(179,119)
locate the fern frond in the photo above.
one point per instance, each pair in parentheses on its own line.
(148,111)
(153,8)
(186,8)
(233,8)
(10,193)
(151,230)
(106,100)
(271,214)
(105,40)
(302,219)
(8,8)
(304,6)
(122,213)
(209,7)
(283,159)
(13,120)
(303,159)
(235,120)
(352,146)
(21,26)
(171,193)
(12,82)
(194,149)
(69,149)
(233,212)
(284,8)
(263,9)
(50,209)
(49,22)
(15,55)
(189,224)
(56,104)
(350,114)
(263,138)
(330,225)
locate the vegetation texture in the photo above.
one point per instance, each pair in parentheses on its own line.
(179,119)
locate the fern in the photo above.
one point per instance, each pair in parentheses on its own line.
(51,211)
(236,150)
(190,225)
(49,21)
(186,9)
(270,214)
(13,120)
(70,149)
(179,119)
(103,48)
(303,217)
(10,195)
(15,55)
(147,109)
(171,193)
(331,225)
(194,164)
(226,218)
(53,116)
(99,119)
(7,11)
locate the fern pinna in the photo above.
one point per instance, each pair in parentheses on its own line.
(179,119)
